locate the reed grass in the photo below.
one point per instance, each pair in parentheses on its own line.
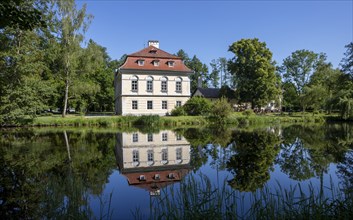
(200,199)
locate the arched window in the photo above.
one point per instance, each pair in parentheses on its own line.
(149,85)
(135,158)
(164,84)
(134,83)
(178,84)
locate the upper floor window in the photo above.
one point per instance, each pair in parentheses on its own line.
(150,157)
(134,83)
(135,158)
(164,136)
(150,137)
(164,84)
(178,153)
(171,63)
(149,84)
(141,62)
(164,156)
(178,84)
(155,62)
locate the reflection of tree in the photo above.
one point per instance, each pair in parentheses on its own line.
(209,141)
(254,156)
(39,181)
(307,151)
(345,167)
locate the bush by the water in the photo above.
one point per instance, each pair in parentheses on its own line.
(197,106)
(220,111)
(248,112)
(178,111)
(147,120)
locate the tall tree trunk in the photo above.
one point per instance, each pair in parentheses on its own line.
(66,97)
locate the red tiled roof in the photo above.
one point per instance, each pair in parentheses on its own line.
(147,52)
(150,183)
(148,57)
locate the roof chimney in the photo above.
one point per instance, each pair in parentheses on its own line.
(154,43)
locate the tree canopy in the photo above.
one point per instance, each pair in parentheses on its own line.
(253,72)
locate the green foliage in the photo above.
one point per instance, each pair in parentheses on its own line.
(197,106)
(22,14)
(220,111)
(200,70)
(346,105)
(148,120)
(347,61)
(178,111)
(298,69)
(255,155)
(253,72)
(248,112)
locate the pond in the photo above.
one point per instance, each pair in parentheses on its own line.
(243,173)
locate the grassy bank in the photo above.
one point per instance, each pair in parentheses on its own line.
(238,119)
(116,121)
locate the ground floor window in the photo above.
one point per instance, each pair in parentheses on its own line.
(164,105)
(149,105)
(178,103)
(134,105)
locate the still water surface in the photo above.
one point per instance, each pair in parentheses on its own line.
(108,174)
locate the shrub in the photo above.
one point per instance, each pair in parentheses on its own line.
(197,106)
(220,111)
(148,120)
(248,112)
(178,111)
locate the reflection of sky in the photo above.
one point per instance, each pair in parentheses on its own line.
(129,200)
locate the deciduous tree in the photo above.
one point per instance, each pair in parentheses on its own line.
(253,72)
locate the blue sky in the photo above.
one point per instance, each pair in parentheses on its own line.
(207,28)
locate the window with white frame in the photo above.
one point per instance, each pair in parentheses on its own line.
(141,62)
(135,137)
(164,136)
(149,105)
(171,63)
(149,84)
(178,137)
(164,105)
(164,154)
(134,104)
(149,137)
(134,83)
(178,84)
(164,84)
(150,156)
(178,103)
(178,153)
(135,156)
(155,62)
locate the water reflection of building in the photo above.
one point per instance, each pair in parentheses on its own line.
(152,161)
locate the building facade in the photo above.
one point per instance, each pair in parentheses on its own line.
(151,81)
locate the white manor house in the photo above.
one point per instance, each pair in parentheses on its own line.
(151,81)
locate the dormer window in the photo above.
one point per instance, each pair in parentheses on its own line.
(153,51)
(155,62)
(171,63)
(141,62)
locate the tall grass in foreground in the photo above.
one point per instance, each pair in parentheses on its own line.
(199,199)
